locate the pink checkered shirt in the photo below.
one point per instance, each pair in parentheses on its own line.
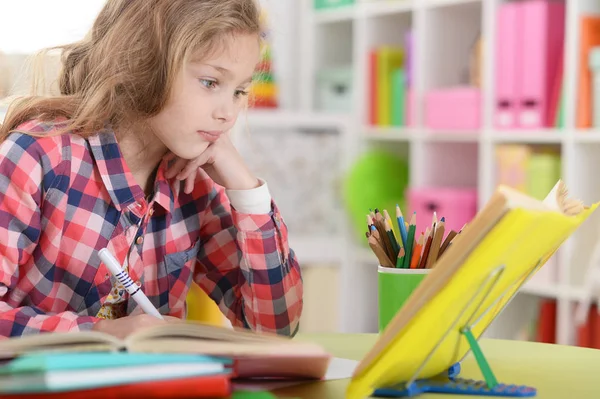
(63,198)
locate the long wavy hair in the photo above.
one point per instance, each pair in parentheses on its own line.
(122,72)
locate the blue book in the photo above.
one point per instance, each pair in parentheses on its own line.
(43,362)
(62,372)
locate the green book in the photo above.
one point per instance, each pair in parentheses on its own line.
(388,59)
(398,111)
(543,170)
(559,123)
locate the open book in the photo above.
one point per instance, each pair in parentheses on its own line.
(254,354)
(498,251)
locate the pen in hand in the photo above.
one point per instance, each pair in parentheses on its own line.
(136,292)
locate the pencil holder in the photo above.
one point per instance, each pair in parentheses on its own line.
(395,286)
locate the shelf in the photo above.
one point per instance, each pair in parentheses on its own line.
(388,133)
(314,251)
(376,8)
(444,32)
(448,3)
(449,136)
(409,134)
(380,7)
(544,290)
(286,119)
(543,136)
(340,14)
(364,255)
(587,136)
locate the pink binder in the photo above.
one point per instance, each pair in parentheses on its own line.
(506,74)
(543,27)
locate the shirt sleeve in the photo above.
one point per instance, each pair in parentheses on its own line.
(248,268)
(253,201)
(21,180)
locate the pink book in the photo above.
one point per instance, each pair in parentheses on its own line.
(543,31)
(506,74)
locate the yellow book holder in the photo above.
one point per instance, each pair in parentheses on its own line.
(420,349)
(450,382)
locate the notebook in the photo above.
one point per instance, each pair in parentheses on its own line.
(509,239)
(87,378)
(277,356)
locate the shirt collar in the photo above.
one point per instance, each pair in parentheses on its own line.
(117,177)
(163,193)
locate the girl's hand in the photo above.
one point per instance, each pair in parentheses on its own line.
(124,326)
(221,161)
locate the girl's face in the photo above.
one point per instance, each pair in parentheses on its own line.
(207,97)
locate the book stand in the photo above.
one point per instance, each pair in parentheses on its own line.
(449,382)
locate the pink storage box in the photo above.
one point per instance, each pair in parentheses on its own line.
(456,108)
(457,205)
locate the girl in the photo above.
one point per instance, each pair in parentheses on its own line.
(148,96)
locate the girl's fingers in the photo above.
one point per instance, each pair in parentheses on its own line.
(169,156)
(190,169)
(189,183)
(176,168)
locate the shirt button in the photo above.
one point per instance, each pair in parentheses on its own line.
(151,212)
(139,240)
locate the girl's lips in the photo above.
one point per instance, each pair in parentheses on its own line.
(210,136)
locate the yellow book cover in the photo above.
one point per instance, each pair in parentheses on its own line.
(509,239)
(388,59)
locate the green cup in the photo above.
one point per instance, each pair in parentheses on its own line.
(394,287)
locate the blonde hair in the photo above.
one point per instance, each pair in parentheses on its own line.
(122,72)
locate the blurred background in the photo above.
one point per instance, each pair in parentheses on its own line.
(428,104)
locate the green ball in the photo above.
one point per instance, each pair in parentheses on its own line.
(378,179)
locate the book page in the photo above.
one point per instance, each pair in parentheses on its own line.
(225,348)
(66,342)
(193,337)
(195,330)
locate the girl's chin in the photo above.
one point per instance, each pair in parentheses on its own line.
(190,153)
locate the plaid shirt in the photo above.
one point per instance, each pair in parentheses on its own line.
(63,198)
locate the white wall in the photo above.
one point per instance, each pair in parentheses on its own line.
(27,26)
(55,22)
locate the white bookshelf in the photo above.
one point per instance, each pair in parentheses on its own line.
(443,32)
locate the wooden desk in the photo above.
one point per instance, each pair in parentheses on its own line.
(558,372)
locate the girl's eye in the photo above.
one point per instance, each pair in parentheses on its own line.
(209,84)
(241,93)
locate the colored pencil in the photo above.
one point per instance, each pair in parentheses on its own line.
(447,242)
(435,244)
(391,236)
(386,216)
(385,240)
(416,256)
(401,226)
(426,248)
(400,259)
(412,227)
(379,252)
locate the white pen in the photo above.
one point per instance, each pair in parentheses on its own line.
(136,292)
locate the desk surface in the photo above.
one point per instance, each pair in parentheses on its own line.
(556,371)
